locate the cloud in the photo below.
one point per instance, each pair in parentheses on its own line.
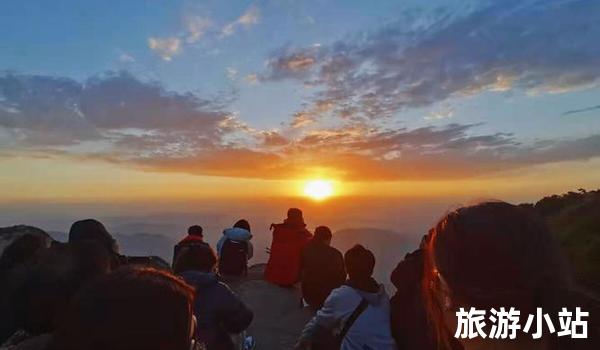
(166,48)
(249,18)
(444,113)
(302,119)
(126,58)
(532,47)
(251,79)
(375,155)
(196,27)
(114,109)
(273,139)
(119,118)
(291,63)
(231,73)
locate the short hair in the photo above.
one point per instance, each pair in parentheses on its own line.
(322,234)
(92,230)
(359,261)
(131,308)
(243,224)
(195,230)
(196,257)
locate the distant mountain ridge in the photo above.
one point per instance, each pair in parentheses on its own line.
(573,218)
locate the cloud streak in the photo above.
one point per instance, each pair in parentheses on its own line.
(249,18)
(582,110)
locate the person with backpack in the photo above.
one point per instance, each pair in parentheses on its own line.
(322,268)
(219,312)
(235,249)
(194,237)
(360,309)
(289,238)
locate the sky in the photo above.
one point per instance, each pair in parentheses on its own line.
(106,101)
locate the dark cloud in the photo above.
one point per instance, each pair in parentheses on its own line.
(116,109)
(534,46)
(121,101)
(364,153)
(291,63)
(118,118)
(40,110)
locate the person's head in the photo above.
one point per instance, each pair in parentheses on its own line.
(131,308)
(21,250)
(92,230)
(359,262)
(294,215)
(322,235)
(199,257)
(195,230)
(488,256)
(243,224)
(58,273)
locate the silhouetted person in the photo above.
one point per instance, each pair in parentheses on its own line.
(289,238)
(21,250)
(322,268)
(220,313)
(360,307)
(194,237)
(41,300)
(133,308)
(235,249)
(92,230)
(410,326)
(495,255)
(15,262)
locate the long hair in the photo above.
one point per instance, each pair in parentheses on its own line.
(489,255)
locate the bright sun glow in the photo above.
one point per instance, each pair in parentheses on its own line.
(318,189)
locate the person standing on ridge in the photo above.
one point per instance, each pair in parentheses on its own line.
(322,268)
(289,238)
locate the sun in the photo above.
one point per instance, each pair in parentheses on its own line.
(318,189)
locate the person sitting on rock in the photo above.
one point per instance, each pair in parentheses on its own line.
(58,273)
(322,268)
(194,237)
(133,308)
(357,312)
(235,249)
(220,313)
(493,255)
(289,238)
(92,230)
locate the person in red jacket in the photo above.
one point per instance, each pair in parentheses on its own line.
(289,238)
(193,238)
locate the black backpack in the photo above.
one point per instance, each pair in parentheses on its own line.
(234,258)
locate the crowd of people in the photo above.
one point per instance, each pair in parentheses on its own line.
(84,295)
